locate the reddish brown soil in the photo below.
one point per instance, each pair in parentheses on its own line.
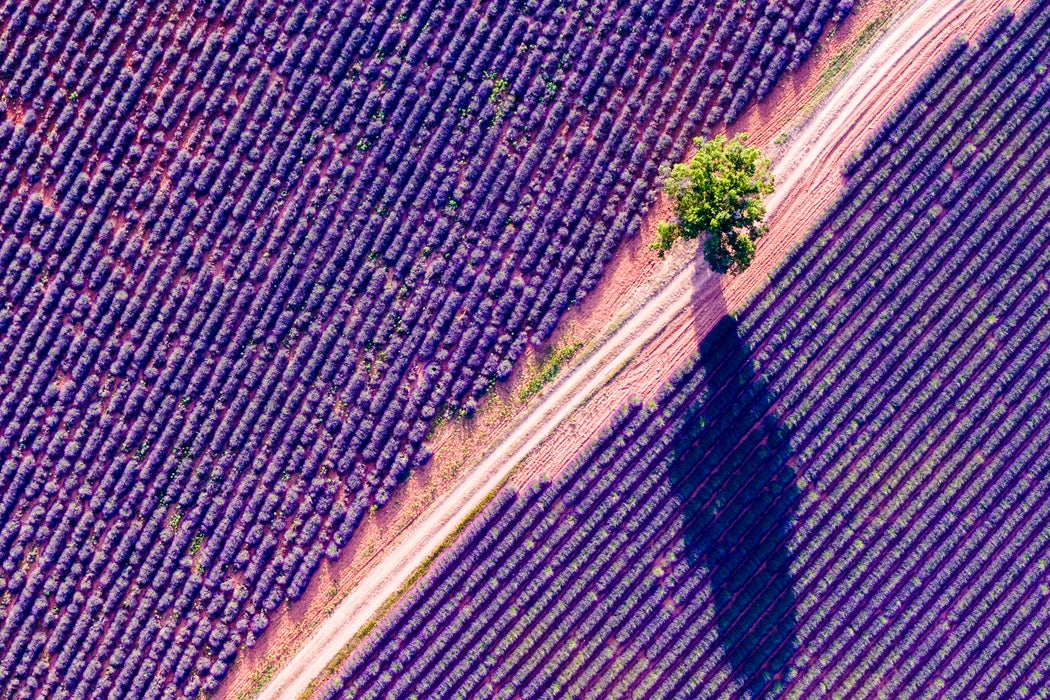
(790,223)
(630,278)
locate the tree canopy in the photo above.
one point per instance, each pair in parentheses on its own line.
(718,194)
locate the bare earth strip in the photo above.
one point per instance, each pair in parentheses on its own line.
(643,350)
(842,126)
(631,278)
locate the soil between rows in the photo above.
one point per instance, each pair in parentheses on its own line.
(629,280)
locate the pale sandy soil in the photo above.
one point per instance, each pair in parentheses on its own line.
(810,168)
(789,222)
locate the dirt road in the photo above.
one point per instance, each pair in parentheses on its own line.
(810,160)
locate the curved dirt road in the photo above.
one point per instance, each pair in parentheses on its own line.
(817,146)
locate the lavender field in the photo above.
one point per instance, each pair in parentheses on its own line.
(251,250)
(845,494)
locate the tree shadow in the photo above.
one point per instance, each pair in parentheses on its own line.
(733,475)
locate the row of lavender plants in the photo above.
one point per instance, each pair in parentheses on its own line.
(844,494)
(252,249)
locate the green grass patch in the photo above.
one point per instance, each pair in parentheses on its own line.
(548,369)
(333,666)
(258,681)
(841,62)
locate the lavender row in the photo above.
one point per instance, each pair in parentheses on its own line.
(808,529)
(254,250)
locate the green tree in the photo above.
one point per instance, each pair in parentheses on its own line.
(718,194)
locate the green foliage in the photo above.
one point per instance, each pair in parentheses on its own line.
(718,194)
(548,370)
